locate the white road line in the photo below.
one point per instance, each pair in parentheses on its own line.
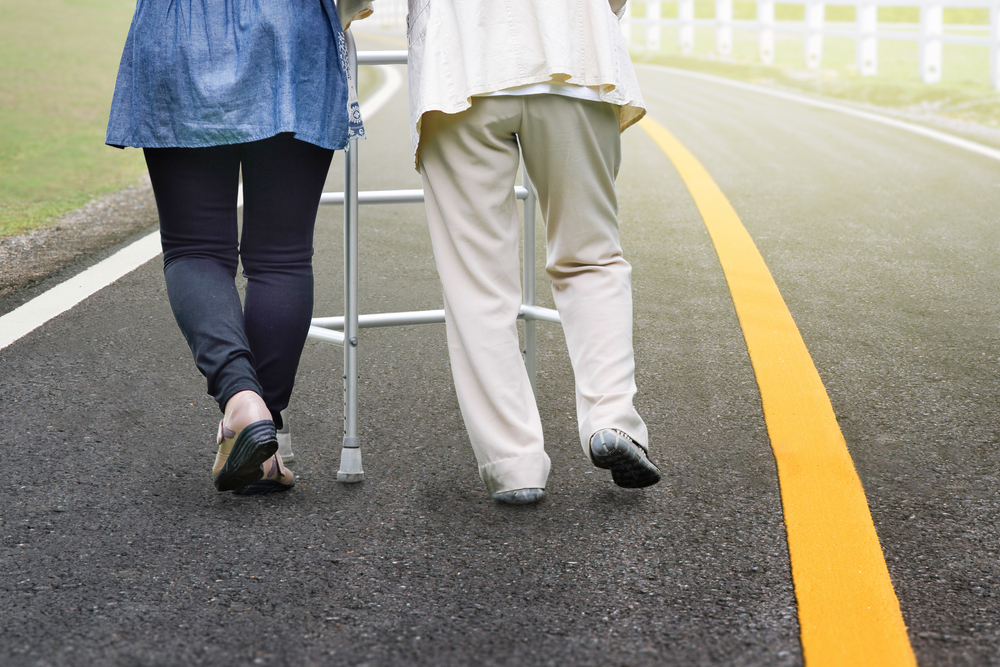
(937,135)
(64,296)
(392,81)
(59,299)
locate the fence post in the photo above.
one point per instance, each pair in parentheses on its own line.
(995,45)
(867,48)
(685,30)
(931,27)
(724,27)
(653,27)
(765,31)
(815,13)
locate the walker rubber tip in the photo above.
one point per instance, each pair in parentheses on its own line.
(350,466)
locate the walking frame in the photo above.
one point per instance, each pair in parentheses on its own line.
(344,330)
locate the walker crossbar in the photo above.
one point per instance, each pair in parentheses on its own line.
(423,317)
(344,330)
(393,197)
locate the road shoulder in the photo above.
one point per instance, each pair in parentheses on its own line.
(34,261)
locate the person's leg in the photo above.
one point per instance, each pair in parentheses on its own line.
(283,179)
(196,190)
(469,162)
(572,151)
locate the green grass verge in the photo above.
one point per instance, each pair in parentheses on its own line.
(58,63)
(962,99)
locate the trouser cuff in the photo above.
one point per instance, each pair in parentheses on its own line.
(522,472)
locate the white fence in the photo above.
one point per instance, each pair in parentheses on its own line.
(931,33)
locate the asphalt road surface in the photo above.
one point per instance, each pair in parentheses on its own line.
(117,550)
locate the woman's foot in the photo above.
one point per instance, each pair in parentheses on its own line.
(276,478)
(247,438)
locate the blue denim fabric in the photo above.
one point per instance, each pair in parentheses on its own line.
(197,73)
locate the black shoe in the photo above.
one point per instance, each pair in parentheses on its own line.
(628,462)
(276,478)
(246,439)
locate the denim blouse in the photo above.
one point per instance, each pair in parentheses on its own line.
(198,73)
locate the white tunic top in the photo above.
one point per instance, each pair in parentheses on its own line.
(462,48)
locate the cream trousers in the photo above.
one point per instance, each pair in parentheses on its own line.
(469,163)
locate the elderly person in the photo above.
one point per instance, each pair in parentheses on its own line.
(549,80)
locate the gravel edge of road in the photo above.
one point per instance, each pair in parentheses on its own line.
(32,262)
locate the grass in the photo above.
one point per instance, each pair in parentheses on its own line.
(964,92)
(58,63)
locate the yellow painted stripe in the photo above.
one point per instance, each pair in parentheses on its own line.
(848,611)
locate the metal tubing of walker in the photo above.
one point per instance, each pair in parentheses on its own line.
(382,58)
(393,197)
(329,328)
(528,268)
(344,330)
(350,454)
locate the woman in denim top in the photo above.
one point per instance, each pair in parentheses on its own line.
(210,88)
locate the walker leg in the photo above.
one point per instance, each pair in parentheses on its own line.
(350,455)
(285,439)
(528,270)
(350,464)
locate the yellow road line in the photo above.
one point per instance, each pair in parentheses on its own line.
(848,611)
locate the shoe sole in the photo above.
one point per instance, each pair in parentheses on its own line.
(255,444)
(262,486)
(519,497)
(630,468)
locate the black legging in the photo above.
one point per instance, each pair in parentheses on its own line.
(258,346)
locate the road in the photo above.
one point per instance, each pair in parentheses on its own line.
(882,244)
